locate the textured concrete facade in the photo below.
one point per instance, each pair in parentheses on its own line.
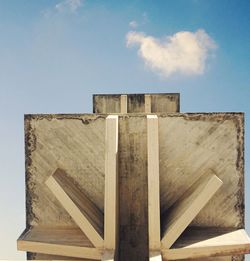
(190,144)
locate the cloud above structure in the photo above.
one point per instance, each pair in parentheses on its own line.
(133,24)
(69,6)
(142,20)
(184,52)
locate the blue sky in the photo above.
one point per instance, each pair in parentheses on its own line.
(54,54)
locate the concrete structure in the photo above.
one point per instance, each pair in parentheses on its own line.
(136,180)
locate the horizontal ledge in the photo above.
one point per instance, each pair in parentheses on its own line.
(207,242)
(40,256)
(61,241)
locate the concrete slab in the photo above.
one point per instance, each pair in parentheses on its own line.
(201,243)
(185,209)
(136,103)
(72,143)
(190,144)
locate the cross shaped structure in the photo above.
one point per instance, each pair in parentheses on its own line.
(136,180)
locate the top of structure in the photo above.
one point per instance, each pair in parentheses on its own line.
(136,103)
(136,180)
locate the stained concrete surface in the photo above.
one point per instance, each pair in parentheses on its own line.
(190,144)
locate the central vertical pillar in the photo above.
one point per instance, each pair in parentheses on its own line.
(133,187)
(132,164)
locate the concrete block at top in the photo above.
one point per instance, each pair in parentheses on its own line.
(136,103)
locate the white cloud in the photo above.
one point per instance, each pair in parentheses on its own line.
(184,52)
(142,21)
(145,19)
(133,24)
(69,6)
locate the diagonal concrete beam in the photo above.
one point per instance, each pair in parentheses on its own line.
(83,211)
(185,209)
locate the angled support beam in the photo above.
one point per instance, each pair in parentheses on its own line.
(153,187)
(111,184)
(185,209)
(83,211)
(200,243)
(70,242)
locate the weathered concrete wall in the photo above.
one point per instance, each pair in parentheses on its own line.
(190,144)
(74,143)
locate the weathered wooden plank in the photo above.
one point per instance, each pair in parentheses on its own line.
(153,184)
(83,211)
(208,242)
(69,242)
(186,208)
(111,184)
